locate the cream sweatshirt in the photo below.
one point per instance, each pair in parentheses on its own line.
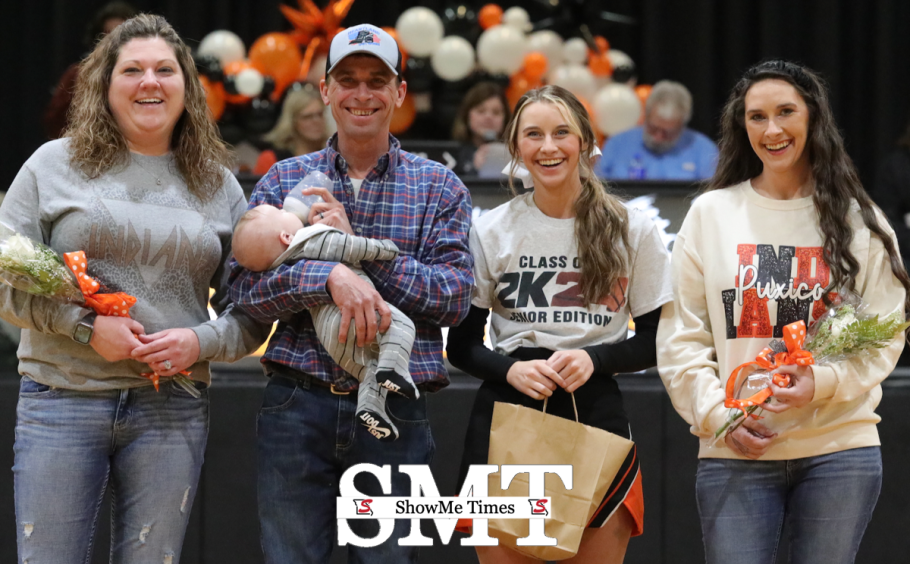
(744,266)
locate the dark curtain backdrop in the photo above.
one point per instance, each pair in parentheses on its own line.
(862,48)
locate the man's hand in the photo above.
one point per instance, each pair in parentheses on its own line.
(329,211)
(534,378)
(114,337)
(359,302)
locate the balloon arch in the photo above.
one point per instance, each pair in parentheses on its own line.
(493,41)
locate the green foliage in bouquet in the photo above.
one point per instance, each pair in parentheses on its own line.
(845,334)
(35,268)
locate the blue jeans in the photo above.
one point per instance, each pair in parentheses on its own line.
(71,445)
(826,502)
(307,438)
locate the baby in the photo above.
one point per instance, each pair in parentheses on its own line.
(266,237)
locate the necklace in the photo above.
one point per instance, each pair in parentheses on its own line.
(157,179)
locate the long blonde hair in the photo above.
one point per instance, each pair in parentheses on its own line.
(96,142)
(284,134)
(602,221)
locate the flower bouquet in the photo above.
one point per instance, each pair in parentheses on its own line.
(844,331)
(37,269)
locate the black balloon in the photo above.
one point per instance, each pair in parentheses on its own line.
(260,117)
(419,75)
(461,20)
(230,86)
(209,66)
(268,86)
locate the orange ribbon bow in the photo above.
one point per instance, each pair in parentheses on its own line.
(116,304)
(794,337)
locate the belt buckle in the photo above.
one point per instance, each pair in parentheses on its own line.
(337,392)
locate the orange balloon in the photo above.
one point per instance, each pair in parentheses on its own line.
(404,54)
(520,83)
(489,15)
(600,65)
(277,55)
(535,65)
(232,69)
(404,116)
(643,91)
(214,96)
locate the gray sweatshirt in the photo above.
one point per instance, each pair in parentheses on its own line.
(154,241)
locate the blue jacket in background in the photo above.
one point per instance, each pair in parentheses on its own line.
(625,157)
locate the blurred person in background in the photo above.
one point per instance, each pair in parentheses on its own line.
(663,148)
(479,122)
(301,129)
(892,191)
(109,17)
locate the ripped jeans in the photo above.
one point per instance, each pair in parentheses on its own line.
(70,445)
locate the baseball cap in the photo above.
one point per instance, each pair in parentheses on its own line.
(364,38)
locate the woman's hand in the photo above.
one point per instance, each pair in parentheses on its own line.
(179,346)
(574,367)
(751,439)
(534,378)
(800,392)
(329,211)
(114,338)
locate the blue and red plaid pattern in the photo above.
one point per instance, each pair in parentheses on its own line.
(421,206)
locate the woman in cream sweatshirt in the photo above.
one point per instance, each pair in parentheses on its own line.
(784,220)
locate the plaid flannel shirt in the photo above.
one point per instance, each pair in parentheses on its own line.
(421,206)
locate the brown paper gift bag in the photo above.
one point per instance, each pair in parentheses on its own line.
(520,435)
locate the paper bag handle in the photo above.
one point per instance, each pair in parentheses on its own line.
(573,406)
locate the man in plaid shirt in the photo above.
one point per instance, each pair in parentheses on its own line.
(307,432)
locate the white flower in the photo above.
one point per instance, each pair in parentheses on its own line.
(20,247)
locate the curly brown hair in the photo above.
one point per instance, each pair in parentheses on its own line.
(96,142)
(602,220)
(837,184)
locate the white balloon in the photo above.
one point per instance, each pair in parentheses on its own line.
(248,82)
(549,43)
(577,79)
(223,44)
(419,31)
(501,49)
(518,18)
(616,108)
(453,59)
(575,51)
(619,59)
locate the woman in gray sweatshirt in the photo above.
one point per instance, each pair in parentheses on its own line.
(138,183)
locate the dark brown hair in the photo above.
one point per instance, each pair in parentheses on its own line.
(837,184)
(96,142)
(477,95)
(601,219)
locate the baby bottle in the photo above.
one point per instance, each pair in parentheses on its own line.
(299,204)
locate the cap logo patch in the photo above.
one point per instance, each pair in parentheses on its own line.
(362,37)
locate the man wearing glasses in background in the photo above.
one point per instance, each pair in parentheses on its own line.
(663,148)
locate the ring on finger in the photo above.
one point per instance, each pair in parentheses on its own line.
(321,216)
(167,364)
